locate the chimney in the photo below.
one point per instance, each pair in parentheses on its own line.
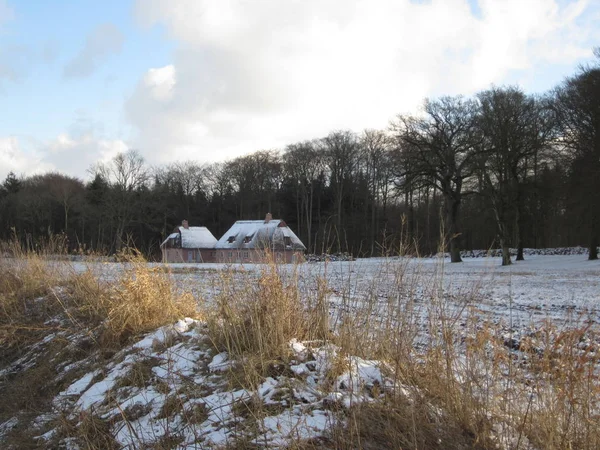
(185,224)
(268,218)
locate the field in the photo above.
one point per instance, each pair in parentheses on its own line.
(372,353)
(557,287)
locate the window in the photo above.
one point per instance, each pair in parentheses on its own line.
(230,254)
(230,239)
(287,240)
(246,255)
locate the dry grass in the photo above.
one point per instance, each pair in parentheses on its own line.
(140,300)
(23,279)
(469,388)
(143,300)
(465,389)
(89,432)
(41,297)
(140,373)
(565,394)
(255,322)
(402,424)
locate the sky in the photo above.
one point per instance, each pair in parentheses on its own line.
(209,80)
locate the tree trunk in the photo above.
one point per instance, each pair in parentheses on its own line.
(505,252)
(338,222)
(518,239)
(594,229)
(411,218)
(118,244)
(520,256)
(373,229)
(453,234)
(519,227)
(593,248)
(504,240)
(309,214)
(499,212)
(298,208)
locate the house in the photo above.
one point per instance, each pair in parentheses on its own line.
(251,240)
(189,244)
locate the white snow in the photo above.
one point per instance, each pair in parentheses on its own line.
(80,385)
(184,325)
(8,425)
(258,234)
(360,373)
(560,288)
(299,349)
(219,363)
(295,424)
(96,393)
(193,237)
(197,237)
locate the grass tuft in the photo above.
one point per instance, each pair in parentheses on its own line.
(256,322)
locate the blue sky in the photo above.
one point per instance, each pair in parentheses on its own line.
(208,80)
(42,101)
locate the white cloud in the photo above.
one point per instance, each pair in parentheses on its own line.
(104,40)
(72,155)
(76,154)
(13,158)
(160,83)
(250,75)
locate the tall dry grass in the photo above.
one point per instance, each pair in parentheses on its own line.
(42,295)
(470,386)
(255,320)
(139,300)
(458,382)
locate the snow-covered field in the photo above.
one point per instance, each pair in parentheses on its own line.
(562,288)
(185,398)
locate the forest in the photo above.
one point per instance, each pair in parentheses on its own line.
(500,169)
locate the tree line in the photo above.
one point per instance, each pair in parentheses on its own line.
(500,169)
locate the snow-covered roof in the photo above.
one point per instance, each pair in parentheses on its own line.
(258,234)
(193,237)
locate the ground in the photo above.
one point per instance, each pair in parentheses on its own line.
(172,387)
(561,288)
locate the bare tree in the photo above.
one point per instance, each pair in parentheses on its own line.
(515,129)
(126,173)
(376,148)
(217,179)
(577,103)
(341,151)
(256,177)
(65,190)
(442,146)
(188,178)
(303,162)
